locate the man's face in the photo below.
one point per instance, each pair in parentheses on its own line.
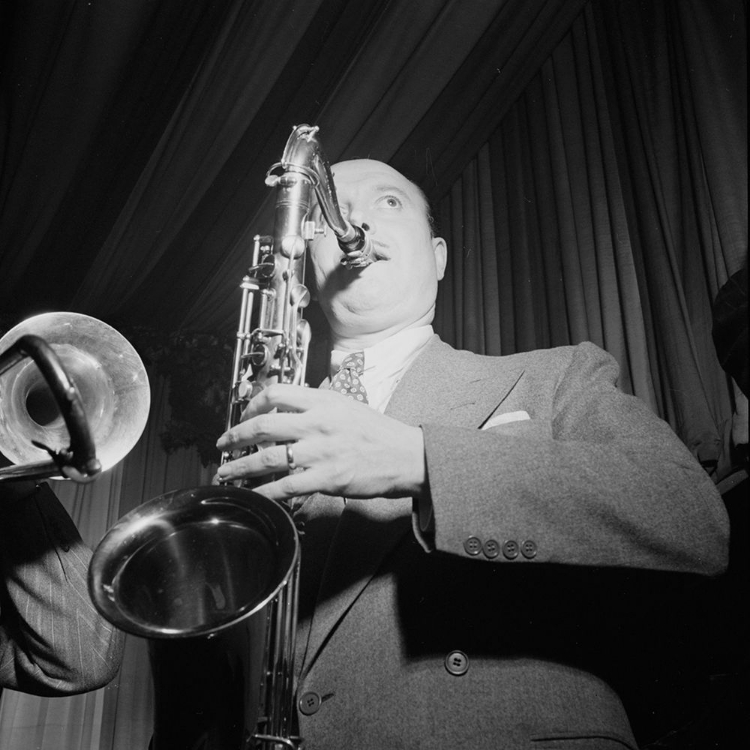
(398,290)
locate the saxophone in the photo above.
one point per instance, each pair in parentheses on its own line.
(209,575)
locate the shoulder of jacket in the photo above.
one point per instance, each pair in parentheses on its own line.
(554,357)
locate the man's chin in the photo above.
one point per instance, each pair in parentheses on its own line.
(373,304)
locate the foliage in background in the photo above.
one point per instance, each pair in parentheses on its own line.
(198,369)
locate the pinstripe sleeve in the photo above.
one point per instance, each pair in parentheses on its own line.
(52,640)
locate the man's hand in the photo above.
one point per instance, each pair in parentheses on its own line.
(341,447)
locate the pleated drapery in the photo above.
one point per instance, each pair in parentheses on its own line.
(604,209)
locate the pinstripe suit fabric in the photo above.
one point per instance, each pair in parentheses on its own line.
(52,640)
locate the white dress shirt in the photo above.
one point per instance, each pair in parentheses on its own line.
(386,363)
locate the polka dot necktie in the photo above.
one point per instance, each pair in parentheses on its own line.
(347,381)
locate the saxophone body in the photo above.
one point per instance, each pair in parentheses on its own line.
(209,575)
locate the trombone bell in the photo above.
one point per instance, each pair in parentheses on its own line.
(107,372)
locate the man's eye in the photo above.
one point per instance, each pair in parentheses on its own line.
(390,201)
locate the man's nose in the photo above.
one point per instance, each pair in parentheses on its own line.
(359,218)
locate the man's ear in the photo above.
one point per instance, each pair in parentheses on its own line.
(440,248)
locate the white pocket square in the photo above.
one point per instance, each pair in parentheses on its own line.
(511,416)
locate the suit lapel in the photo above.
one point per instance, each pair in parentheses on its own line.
(458,387)
(442,385)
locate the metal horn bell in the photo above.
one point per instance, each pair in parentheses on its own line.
(107,372)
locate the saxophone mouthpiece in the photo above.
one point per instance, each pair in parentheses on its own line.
(357,247)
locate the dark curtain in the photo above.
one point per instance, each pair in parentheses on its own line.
(134,179)
(611,205)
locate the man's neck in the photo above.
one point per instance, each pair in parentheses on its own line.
(352,336)
(354,342)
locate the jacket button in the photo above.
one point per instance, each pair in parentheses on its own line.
(491,548)
(473,546)
(528,549)
(309,703)
(510,549)
(457,663)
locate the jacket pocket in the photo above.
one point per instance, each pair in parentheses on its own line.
(582,742)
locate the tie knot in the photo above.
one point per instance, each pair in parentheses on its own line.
(347,381)
(354,361)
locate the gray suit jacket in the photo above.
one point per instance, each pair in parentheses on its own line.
(501,618)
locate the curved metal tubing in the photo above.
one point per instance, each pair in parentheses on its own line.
(79,462)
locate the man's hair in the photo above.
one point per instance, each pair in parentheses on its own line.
(427,209)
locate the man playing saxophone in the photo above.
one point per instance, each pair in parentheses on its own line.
(479,534)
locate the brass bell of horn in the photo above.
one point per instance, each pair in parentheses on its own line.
(105,369)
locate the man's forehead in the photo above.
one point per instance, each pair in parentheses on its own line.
(365,173)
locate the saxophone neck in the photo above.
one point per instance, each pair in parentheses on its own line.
(304,155)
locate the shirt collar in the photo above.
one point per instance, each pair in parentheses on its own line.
(390,355)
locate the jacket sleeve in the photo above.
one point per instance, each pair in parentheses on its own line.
(52,640)
(593,478)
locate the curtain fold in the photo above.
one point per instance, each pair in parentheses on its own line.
(86,90)
(610,181)
(155,195)
(669,144)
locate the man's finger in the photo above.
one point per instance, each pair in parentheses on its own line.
(284,398)
(293,485)
(271,460)
(262,428)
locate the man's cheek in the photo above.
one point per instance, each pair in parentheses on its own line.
(318,271)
